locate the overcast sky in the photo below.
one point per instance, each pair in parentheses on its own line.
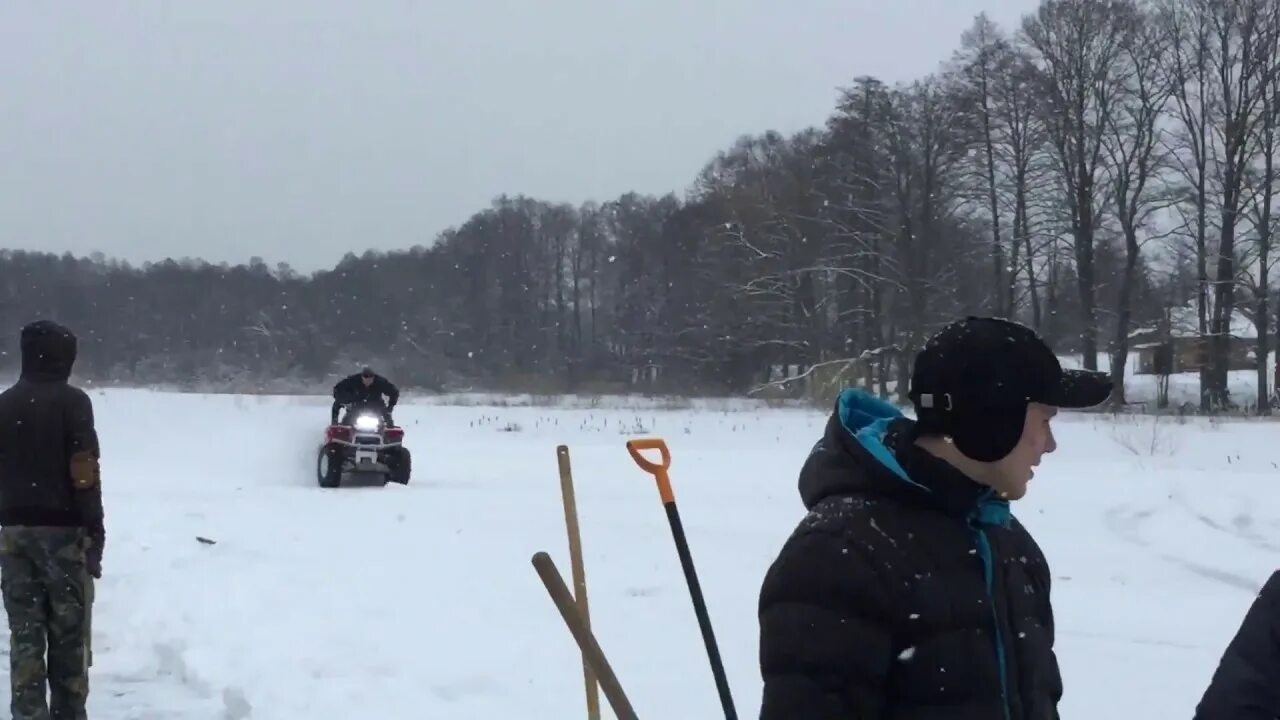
(297,131)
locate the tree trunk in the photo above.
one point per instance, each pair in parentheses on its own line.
(1124,314)
(1261,320)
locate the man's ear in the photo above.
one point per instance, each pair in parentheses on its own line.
(85,471)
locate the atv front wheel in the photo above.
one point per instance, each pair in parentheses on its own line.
(400,463)
(329,467)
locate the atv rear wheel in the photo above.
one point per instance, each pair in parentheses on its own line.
(329,467)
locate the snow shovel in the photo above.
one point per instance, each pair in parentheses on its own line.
(659,472)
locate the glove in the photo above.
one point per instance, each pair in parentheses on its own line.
(93,557)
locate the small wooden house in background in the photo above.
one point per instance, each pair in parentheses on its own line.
(1174,345)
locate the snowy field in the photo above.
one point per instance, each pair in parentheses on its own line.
(420,601)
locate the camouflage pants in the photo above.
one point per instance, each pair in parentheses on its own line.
(47,595)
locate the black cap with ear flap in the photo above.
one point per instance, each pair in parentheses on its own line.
(983,431)
(974,380)
(367,372)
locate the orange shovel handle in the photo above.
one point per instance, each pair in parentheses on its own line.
(658,471)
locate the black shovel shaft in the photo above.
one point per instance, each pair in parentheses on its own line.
(700,609)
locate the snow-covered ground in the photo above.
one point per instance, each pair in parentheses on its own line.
(420,601)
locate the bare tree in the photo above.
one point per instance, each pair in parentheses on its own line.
(1224,58)
(1024,148)
(1244,32)
(1078,47)
(982,57)
(856,181)
(1189,60)
(1135,158)
(1000,86)
(927,139)
(1261,191)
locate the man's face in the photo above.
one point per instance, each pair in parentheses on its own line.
(1014,471)
(367,380)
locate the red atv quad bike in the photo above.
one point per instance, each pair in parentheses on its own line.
(362,446)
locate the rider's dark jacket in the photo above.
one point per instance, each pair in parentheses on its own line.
(351,390)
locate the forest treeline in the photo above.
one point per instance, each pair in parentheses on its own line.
(1085,172)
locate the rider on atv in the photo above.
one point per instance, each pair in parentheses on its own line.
(365,388)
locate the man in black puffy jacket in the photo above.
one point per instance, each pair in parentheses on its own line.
(1246,685)
(909,590)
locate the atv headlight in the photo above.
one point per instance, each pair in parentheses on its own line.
(367,423)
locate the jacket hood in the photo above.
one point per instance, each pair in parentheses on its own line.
(869,448)
(48,351)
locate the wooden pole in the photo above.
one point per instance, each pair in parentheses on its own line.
(578,571)
(591,651)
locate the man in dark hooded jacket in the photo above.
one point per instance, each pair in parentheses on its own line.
(909,590)
(365,388)
(52,533)
(1246,685)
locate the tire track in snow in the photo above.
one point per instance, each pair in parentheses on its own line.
(1242,524)
(1125,522)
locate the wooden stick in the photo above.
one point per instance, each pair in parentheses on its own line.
(591,651)
(579,572)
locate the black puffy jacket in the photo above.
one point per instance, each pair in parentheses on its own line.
(48,439)
(1246,684)
(907,592)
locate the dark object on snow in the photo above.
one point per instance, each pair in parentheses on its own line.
(1246,685)
(206,540)
(364,388)
(908,591)
(53,537)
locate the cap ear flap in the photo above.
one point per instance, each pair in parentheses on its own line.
(85,470)
(991,435)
